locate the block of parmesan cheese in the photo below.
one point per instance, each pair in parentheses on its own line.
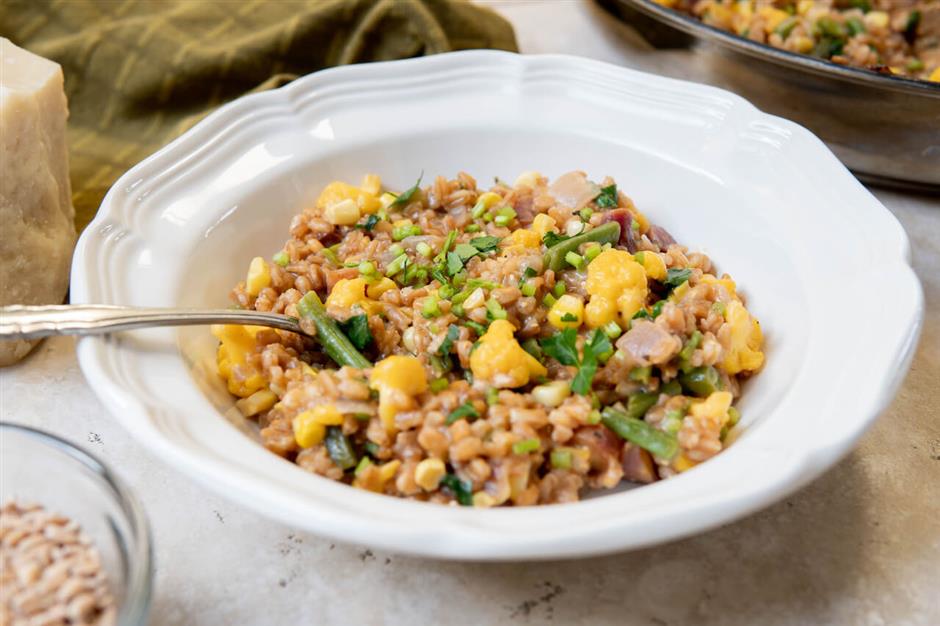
(37,231)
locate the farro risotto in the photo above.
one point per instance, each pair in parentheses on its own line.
(888,36)
(520,345)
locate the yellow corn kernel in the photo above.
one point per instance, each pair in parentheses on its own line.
(307,431)
(387,470)
(326,414)
(876,19)
(744,353)
(398,379)
(653,264)
(259,276)
(483,500)
(524,238)
(335,192)
(343,213)
(258,402)
(683,463)
(772,17)
(307,369)
(371,184)
(617,285)
(543,223)
(935,75)
(376,290)
(803,6)
(501,361)
(488,199)
(528,179)
(803,44)
(429,472)
(567,312)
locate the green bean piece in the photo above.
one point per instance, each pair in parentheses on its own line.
(337,445)
(638,432)
(700,381)
(336,345)
(554,258)
(639,404)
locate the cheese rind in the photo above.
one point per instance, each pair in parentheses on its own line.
(37,231)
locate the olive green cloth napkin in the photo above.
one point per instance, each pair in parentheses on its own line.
(140,72)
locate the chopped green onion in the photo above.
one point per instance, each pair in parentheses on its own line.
(561,459)
(495,310)
(594,417)
(641,374)
(612,329)
(526,445)
(478,210)
(430,308)
(492,396)
(476,327)
(367,268)
(502,220)
(528,289)
(574,259)
(592,251)
(281,258)
(915,65)
(330,254)
(549,300)
(569,317)
(473,228)
(364,462)
(396,250)
(439,384)
(397,265)
(559,289)
(465,410)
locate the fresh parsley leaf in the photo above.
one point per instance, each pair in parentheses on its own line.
(552,239)
(465,251)
(607,199)
(581,383)
(464,410)
(454,263)
(658,308)
(462,489)
(563,346)
(675,277)
(569,317)
(485,244)
(356,328)
(642,314)
(453,331)
(600,343)
(369,224)
(405,196)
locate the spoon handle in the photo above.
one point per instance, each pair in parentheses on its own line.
(34,322)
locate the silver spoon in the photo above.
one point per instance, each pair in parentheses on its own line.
(35,322)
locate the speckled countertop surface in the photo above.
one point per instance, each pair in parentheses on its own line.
(861,545)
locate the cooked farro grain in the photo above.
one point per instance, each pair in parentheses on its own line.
(50,573)
(529,342)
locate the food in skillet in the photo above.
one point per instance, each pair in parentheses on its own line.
(899,37)
(513,346)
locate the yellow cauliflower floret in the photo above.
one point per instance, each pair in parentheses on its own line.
(652,263)
(746,339)
(350,292)
(337,191)
(310,426)
(714,407)
(567,312)
(617,285)
(376,289)
(371,184)
(501,361)
(725,282)
(524,238)
(237,343)
(398,379)
(259,276)
(935,75)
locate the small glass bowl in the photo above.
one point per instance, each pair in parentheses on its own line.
(39,468)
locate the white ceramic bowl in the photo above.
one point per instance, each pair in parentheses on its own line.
(823,264)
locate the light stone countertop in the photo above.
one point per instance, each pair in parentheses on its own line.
(861,545)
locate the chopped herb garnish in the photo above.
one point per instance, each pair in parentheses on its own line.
(465,251)
(405,196)
(453,331)
(675,277)
(454,263)
(356,329)
(569,317)
(485,244)
(607,199)
(550,239)
(465,410)
(438,385)
(462,489)
(525,446)
(476,327)
(369,224)
(563,348)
